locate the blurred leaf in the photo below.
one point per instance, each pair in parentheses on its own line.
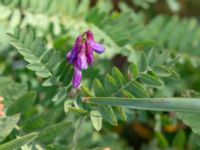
(162,71)
(6,125)
(96,119)
(142,62)
(190,105)
(60,95)
(17,143)
(151,57)
(120,113)
(108,114)
(150,80)
(134,70)
(9,86)
(110,84)
(117,75)
(51,132)
(179,140)
(138,89)
(162,141)
(174,5)
(191,119)
(98,88)
(78,130)
(22,104)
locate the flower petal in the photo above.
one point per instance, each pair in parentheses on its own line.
(81,59)
(90,35)
(77,77)
(98,48)
(73,54)
(89,53)
(75,50)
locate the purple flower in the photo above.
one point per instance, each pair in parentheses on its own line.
(98,48)
(82,55)
(71,56)
(81,58)
(77,77)
(89,53)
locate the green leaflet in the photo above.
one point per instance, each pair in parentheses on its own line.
(96,119)
(162,71)
(118,76)
(7,124)
(191,119)
(110,84)
(98,88)
(68,107)
(9,86)
(137,89)
(150,80)
(134,71)
(142,62)
(22,104)
(40,59)
(179,140)
(60,95)
(162,141)
(17,143)
(108,114)
(151,57)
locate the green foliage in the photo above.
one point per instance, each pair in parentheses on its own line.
(9,86)
(184,34)
(143,3)
(191,119)
(40,60)
(6,125)
(47,63)
(17,143)
(22,104)
(188,105)
(179,140)
(96,120)
(42,32)
(49,133)
(136,83)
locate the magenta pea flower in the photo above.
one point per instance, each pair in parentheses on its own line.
(89,53)
(73,54)
(77,77)
(81,60)
(81,55)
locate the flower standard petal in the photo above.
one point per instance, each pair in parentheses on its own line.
(81,58)
(98,48)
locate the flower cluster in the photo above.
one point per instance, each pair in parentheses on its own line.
(2,113)
(81,55)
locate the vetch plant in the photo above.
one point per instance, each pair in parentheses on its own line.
(136,88)
(58,100)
